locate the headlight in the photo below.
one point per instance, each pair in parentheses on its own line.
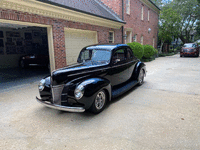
(79,91)
(41,85)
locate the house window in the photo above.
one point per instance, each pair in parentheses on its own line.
(135,38)
(148,15)
(153,42)
(111,37)
(142,13)
(128,7)
(141,39)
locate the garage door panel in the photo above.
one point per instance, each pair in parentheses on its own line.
(75,40)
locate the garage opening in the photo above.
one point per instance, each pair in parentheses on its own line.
(23,52)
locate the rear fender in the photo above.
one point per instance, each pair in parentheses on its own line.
(138,66)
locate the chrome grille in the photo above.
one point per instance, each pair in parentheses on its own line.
(184,50)
(188,50)
(56,93)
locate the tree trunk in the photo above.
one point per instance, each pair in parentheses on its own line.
(161,47)
(182,39)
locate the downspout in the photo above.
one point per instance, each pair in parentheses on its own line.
(123,20)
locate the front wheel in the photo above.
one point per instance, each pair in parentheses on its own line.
(99,102)
(141,77)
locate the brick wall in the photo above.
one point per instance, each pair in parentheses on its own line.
(115,5)
(58,31)
(140,27)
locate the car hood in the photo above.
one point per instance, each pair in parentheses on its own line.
(73,71)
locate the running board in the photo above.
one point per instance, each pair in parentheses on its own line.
(124,88)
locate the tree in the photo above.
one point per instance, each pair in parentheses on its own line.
(159,3)
(169,25)
(189,12)
(197,31)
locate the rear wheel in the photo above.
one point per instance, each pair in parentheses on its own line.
(141,77)
(99,102)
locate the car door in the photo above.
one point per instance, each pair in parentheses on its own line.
(119,71)
(131,61)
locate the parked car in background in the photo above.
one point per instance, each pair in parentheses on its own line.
(101,73)
(34,60)
(39,57)
(190,49)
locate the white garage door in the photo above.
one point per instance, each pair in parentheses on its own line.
(75,40)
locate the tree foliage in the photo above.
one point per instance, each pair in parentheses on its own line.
(189,11)
(169,24)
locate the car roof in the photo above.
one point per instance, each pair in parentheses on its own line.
(105,46)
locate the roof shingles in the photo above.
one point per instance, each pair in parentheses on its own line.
(93,7)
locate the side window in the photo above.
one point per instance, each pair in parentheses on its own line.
(194,45)
(119,56)
(129,54)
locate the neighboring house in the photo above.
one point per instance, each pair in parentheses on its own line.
(141,17)
(178,41)
(66,26)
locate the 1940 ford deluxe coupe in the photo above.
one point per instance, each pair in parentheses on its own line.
(101,73)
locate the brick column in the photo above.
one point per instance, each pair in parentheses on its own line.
(59,45)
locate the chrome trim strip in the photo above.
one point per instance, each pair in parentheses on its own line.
(59,107)
(88,71)
(100,69)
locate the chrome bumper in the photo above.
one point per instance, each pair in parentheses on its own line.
(59,107)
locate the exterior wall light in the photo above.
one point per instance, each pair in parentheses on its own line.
(149,30)
(125,36)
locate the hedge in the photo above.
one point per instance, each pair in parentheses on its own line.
(148,51)
(137,49)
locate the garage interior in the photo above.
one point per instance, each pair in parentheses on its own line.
(17,41)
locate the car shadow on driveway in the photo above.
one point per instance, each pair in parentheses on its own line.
(12,77)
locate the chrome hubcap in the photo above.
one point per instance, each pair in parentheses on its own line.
(100,100)
(141,76)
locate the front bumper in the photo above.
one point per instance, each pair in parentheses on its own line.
(189,54)
(60,107)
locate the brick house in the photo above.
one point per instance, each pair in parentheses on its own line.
(65,26)
(141,17)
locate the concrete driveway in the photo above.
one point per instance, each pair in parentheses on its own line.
(163,113)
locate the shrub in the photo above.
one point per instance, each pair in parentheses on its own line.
(155,51)
(137,49)
(148,51)
(162,55)
(170,50)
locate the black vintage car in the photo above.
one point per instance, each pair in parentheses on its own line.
(101,73)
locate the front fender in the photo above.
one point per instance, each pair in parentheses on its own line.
(91,87)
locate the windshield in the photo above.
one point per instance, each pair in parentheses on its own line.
(95,55)
(189,45)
